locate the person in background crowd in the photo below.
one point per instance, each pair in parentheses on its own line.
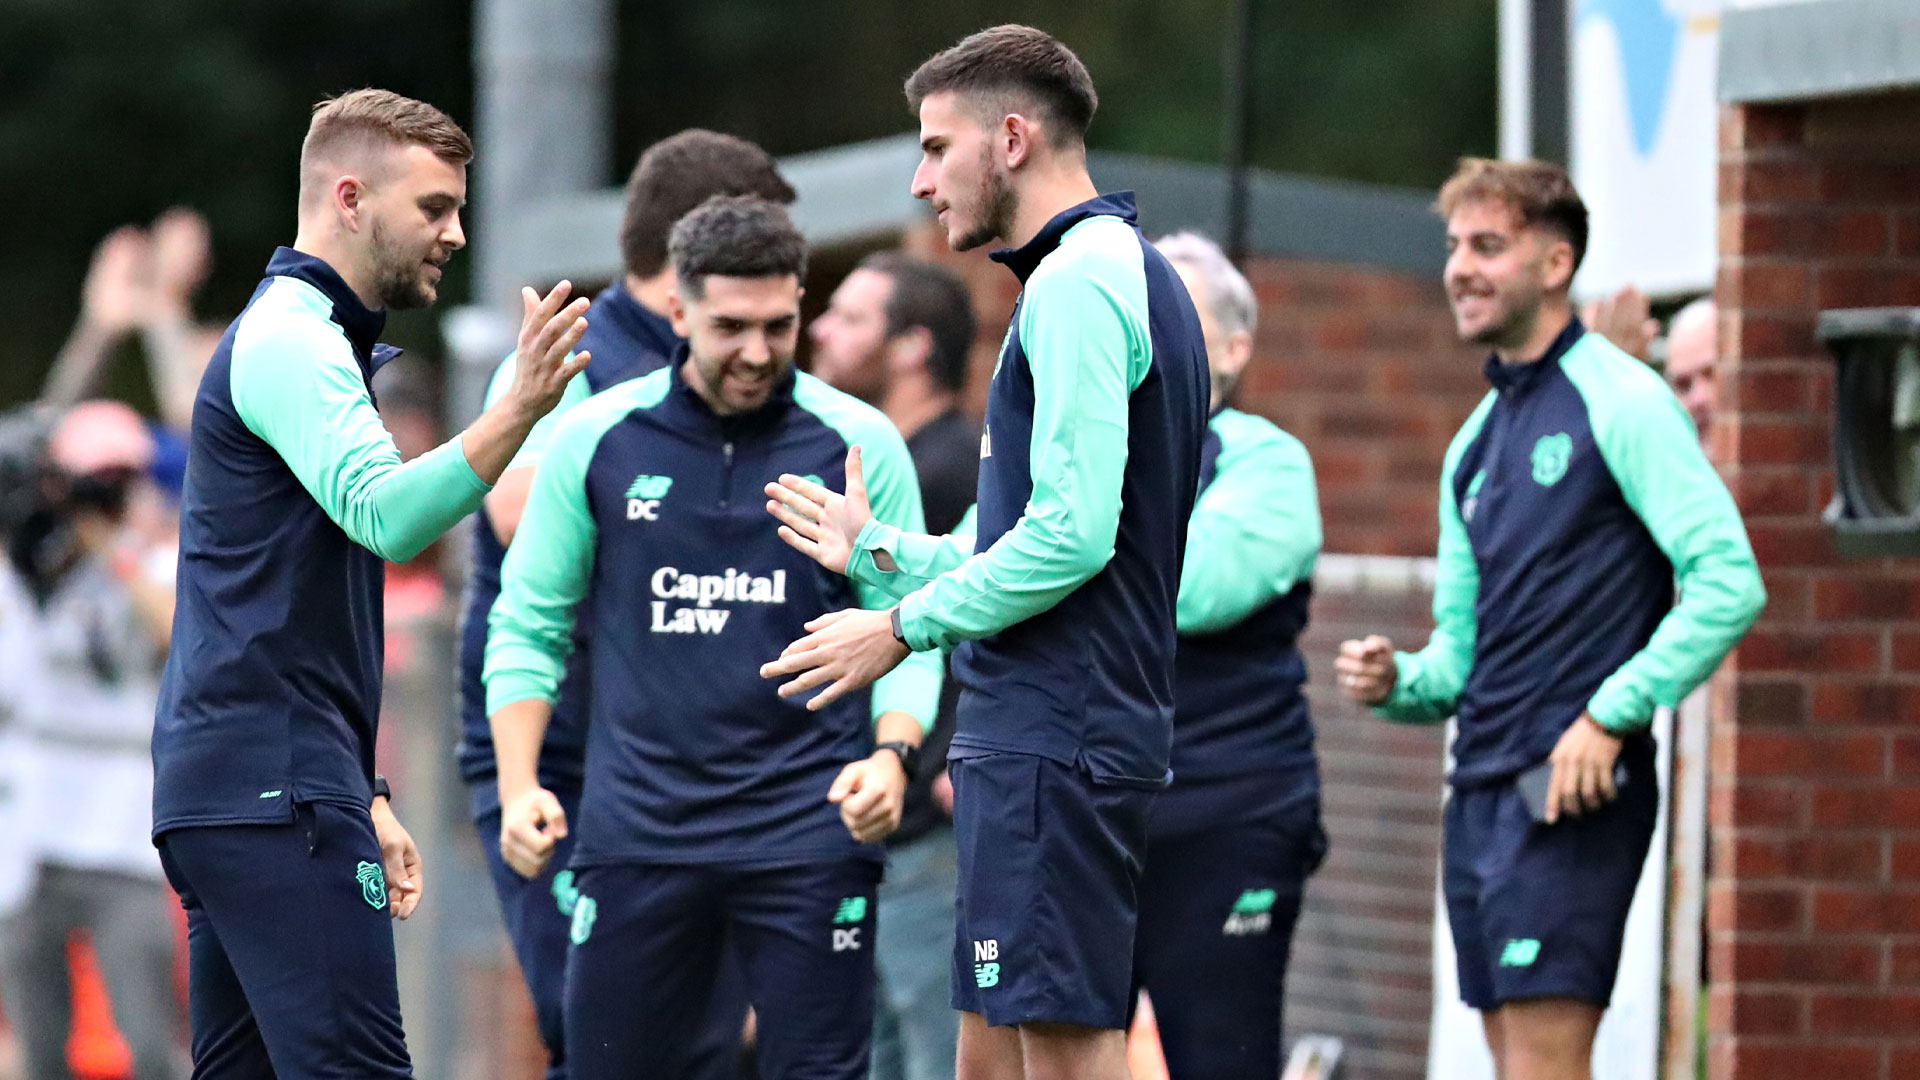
(1693,357)
(897,335)
(91,576)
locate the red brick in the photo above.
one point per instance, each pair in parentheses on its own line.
(1773,754)
(1796,959)
(1879,285)
(1873,910)
(1789,594)
(1906,652)
(1739,1011)
(1892,180)
(1751,234)
(1773,388)
(1784,441)
(1879,702)
(1777,336)
(1771,283)
(1903,755)
(1854,234)
(1757,1058)
(1885,1013)
(1770,648)
(1903,1062)
(1861,596)
(1772,491)
(1748,804)
(1752,856)
(1795,543)
(1865,806)
(1771,126)
(1759,183)
(1906,234)
(1771,703)
(1906,963)
(1739,906)
(1903,860)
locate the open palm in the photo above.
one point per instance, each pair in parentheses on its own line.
(819,523)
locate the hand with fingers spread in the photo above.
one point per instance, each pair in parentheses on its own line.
(819,523)
(1366,670)
(1583,763)
(531,823)
(844,651)
(548,333)
(403,867)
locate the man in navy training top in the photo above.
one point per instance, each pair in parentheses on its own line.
(712,805)
(1063,620)
(1232,840)
(271,823)
(629,335)
(1571,502)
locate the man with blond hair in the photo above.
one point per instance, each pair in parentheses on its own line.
(1570,504)
(271,823)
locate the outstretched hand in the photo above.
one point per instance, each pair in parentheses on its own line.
(817,522)
(548,333)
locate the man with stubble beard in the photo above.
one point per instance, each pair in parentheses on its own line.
(271,823)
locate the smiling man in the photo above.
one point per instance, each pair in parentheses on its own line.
(713,808)
(270,821)
(1062,615)
(1570,503)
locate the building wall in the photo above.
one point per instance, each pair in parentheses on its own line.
(1814,903)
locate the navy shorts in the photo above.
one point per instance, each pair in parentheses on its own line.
(647,949)
(537,913)
(1217,912)
(1540,911)
(1050,866)
(290,947)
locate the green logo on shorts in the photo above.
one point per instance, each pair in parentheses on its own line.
(986,976)
(565,893)
(851,910)
(1520,952)
(585,910)
(373,884)
(1550,457)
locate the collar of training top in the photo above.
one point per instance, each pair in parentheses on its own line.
(362,324)
(1520,378)
(635,320)
(1026,258)
(765,416)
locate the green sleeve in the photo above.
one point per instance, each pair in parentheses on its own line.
(549,563)
(1427,684)
(537,439)
(1083,325)
(893,488)
(299,388)
(1255,531)
(917,558)
(1653,452)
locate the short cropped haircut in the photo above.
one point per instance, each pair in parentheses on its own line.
(1540,192)
(383,116)
(930,296)
(1224,289)
(679,173)
(735,236)
(1014,64)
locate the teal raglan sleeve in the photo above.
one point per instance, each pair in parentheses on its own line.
(299,388)
(1653,452)
(1255,531)
(541,435)
(1427,684)
(548,565)
(1083,326)
(893,489)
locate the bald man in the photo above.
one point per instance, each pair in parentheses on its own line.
(1693,355)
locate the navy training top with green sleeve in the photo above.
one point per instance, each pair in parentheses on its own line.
(295,498)
(625,341)
(1242,736)
(1570,504)
(648,508)
(1089,464)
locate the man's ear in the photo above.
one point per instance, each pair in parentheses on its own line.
(909,350)
(1560,265)
(1018,137)
(677,312)
(348,192)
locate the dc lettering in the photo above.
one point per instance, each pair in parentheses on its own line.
(846,940)
(643,509)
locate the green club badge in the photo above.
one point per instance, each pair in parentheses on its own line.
(1550,457)
(373,885)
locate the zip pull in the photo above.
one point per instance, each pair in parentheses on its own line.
(726,474)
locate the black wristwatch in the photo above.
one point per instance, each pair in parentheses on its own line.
(899,631)
(380,788)
(908,754)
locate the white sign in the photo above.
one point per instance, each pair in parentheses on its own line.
(1644,126)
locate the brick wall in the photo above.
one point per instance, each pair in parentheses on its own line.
(1358,363)
(1814,905)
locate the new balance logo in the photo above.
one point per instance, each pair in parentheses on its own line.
(1252,913)
(986,973)
(734,587)
(851,910)
(986,976)
(644,496)
(1520,952)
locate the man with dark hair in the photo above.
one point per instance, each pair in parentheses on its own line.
(1570,503)
(897,334)
(630,336)
(1063,618)
(712,807)
(270,821)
